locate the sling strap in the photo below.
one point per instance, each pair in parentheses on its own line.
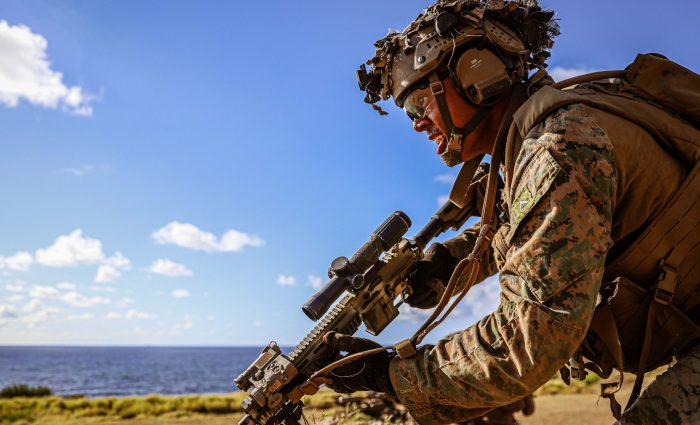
(468,268)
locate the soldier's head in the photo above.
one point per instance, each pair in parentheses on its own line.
(453,68)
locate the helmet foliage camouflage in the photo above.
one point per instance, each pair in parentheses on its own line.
(519,32)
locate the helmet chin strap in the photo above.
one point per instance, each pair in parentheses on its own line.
(453,154)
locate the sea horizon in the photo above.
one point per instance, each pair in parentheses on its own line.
(118,370)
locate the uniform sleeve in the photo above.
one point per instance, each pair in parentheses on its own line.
(560,221)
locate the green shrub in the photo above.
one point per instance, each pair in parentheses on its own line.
(23,390)
(591,378)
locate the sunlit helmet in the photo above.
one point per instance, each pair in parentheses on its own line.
(485,46)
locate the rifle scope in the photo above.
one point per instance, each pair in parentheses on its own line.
(349,273)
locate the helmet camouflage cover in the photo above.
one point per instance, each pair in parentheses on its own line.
(520,32)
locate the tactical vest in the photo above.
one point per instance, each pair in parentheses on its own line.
(649,304)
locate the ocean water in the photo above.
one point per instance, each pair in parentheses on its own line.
(121,371)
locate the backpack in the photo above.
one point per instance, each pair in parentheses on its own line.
(649,304)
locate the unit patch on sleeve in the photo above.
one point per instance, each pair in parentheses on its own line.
(535,182)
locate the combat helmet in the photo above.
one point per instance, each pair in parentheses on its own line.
(485,46)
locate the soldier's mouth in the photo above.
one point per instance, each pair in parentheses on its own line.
(441,142)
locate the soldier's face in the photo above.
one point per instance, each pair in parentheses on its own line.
(421,106)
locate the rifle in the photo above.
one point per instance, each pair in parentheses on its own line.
(374,278)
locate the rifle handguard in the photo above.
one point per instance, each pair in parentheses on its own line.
(405,349)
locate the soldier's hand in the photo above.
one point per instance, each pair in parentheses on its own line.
(429,279)
(369,373)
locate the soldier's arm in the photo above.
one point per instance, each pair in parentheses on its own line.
(461,245)
(561,212)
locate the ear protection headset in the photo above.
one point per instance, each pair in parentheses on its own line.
(481,77)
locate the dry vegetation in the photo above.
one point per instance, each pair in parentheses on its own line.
(555,403)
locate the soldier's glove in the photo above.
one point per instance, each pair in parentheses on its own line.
(369,373)
(429,279)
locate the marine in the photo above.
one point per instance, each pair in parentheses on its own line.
(595,231)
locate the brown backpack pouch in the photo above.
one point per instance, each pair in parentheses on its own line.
(667,83)
(672,330)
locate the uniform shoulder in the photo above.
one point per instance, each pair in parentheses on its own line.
(569,134)
(567,145)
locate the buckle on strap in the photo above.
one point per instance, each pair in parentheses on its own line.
(455,143)
(482,242)
(666,284)
(436,88)
(405,349)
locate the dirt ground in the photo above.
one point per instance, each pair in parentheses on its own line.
(561,409)
(570,409)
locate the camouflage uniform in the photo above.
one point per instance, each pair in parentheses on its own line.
(672,399)
(577,188)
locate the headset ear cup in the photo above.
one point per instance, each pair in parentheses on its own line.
(482,75)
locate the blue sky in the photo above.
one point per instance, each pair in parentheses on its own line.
(182,173)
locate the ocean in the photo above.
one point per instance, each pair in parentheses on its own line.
(122,371)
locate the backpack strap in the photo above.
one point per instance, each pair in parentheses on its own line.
(603,324)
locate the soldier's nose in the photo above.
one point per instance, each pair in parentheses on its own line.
(421,124)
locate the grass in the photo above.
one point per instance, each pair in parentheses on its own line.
(557,386)
(21,410)
(25,409)
(23,390)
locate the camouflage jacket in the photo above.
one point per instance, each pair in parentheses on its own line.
(568,199)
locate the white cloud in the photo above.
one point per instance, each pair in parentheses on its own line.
(187,235)
(35,319)
(483,298)
(84,316)
(124,302)
(111,269)
(32,306)
(79,171)
(166,267)
(446,178)
(315,282)
(100,288)
(75,299)
(480,301)
(18,286)
(180,293)
(71,250)
(130,315)
(413,315)
(39,291)
(284,280)
(8,312)
(113,315)
(559,73)
(257,323)
(16,298)
(19,262)
(186,324)
(25,73)
(140,315)
(67,286)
